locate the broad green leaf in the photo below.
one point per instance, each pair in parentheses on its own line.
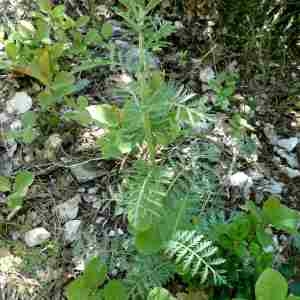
(86,285)
(76,290)
(23,181)
(105,114)
(45,5)
(94,274)
(271,285)
(160,294)
(107,30)
(11,51)
(5,184)
(280,216)
(115,290)
(149,241)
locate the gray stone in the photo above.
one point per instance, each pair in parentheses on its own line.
(288,144)
(71,231)
(19,104)
(36,237)
(86,172)
(69,209)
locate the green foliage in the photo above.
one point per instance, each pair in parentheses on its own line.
(29,130)
(224,86)
(246,240)
(23,181)
(160,294)
(153,113)
(196,255)
(86,287)
(271,285)
(147,273)
(39,48)
(147,187)
(137,19)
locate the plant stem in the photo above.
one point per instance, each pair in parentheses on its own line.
(142,80)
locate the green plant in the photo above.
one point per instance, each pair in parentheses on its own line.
(196,255)
(271,285)
(160,294)
(18,190)
(224,86)
(246,240)
(88,285)
(46,48)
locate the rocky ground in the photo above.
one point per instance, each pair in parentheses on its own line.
(70,207)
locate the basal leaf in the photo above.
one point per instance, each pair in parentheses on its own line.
(271,285)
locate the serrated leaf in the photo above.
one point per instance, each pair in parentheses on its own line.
(114,290)
(5,184)
(271,285)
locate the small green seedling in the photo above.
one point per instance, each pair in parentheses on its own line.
(91,285)
(19,189)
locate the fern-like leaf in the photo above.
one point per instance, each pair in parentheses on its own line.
(148,272)
(196,255)
(146,191)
